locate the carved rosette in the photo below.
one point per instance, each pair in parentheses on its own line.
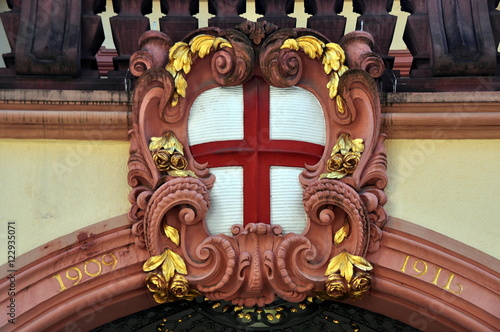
(343,193)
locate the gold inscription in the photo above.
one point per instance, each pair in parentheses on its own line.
(91,268)
(420,269)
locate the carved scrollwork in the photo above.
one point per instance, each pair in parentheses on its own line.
(343,193)
(233,66)
(281,67)
(189,196)
(153,53)
(323,196)
(358,45)
(244,269)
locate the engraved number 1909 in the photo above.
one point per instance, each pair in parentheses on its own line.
(91,268)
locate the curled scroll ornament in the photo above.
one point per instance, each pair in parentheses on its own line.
(258,262)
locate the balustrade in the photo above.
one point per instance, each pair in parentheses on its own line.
(447,39)
(325,18)
(178,20)
(227,13)
(92,35)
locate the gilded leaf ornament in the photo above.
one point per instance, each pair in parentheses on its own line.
(169,284)
(332,57)
(344,278)
(181,58)
(344,158)
(345,263)
(172,233)
(342,233)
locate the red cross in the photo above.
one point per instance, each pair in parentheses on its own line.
(257,153)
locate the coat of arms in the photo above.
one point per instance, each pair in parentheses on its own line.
(257,164)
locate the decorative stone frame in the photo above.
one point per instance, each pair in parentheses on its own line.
(344,208)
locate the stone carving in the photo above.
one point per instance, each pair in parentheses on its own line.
(258,262)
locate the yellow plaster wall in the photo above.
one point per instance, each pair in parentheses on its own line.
(52,188)
(449,186)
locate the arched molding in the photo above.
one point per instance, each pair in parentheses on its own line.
(117,292)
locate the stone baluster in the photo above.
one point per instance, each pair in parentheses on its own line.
(462,38)
(417,37)
(325,18)
(179,20)
(227,13)
(276,12)
(495,19)
(48,41)
(495,25)
(10,21)
(92,35)
(127,27)
(375,19)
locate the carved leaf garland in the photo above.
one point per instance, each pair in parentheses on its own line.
(154,261)
(345,263)
(333,59)
(181,58)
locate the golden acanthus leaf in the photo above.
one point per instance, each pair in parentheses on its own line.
(333,175)
(157,143)
(202,44)
(333,84)
(182,173)
(311,46)
(342,233)
(220,42)
(345,144)
(168,141)
(172,233)
(344,263)
(291,44)
(340,104)
(342,70)
(168,266)
(178,263)
(180,85)
(154,261)
(181,58)
(332,57)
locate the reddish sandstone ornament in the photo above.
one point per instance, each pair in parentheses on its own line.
(343,181)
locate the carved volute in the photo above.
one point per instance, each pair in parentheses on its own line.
(343,182)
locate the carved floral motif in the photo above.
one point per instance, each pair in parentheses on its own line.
(344,158)
(345,283)
(343,193)
(257,31)
(168,155)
